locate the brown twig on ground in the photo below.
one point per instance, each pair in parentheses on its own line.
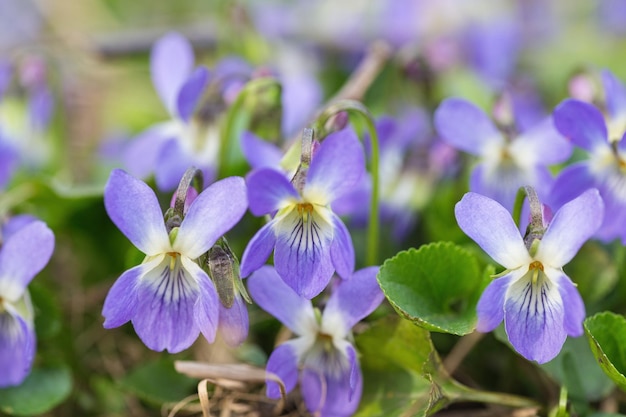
(610,404)
(365,74)
(359,81)
(229,376)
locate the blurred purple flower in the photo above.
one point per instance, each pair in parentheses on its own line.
(493,48)
(169,298)
(26,247)
(27,135)
(538,302)
(310,242)
(167,149)
(321,357)
(20,23)
(6,73)
(260,153)
(410,165)
(9,161)
(510,158)
(301,95)
(602,136)
(612,16)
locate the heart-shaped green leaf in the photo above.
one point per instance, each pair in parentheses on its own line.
(436,286)
(402,371)
(606,333)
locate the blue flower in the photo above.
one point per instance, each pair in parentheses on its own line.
(169,298)
(24,128)
(538,302)
(167,149)
(508,161)
(310,242)
(605,169)
(9,161)
(26,249)
(321,356)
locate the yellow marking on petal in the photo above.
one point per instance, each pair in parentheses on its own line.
(536,267)
(325,341)
(173,256)
(305,210)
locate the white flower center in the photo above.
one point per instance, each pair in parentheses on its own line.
(308,225)
(170,279)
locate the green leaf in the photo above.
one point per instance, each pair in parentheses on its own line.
(42,390)
(158,382)
(47,312)
(575,368)
(606,333)
(401,370)
(436,286)
(403,375)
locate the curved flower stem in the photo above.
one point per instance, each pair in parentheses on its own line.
(174,215)
(536,212)
(355,107)
(460,351)
(233,113)
(463,393)
(536,227)
(299,177)
(191,174)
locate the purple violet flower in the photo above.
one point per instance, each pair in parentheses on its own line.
(9,160)
(169,298)
(26,247)
(493,48)
(602,136)
(509,160)
(322,356)
(538,302)
(167,149)
(310,242)
(260,153)
(27,132)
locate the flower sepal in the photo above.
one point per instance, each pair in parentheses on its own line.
(222,266)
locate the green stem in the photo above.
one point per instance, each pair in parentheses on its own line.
(468,394)
(352,106)
(190,175)
(232,115)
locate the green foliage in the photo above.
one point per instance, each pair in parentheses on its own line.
(47,312)
(437,286)
(594,271)
(400,366)
(42,390)
(606,415)
(158,382)
(576,369)
(404,376)
(606,333)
